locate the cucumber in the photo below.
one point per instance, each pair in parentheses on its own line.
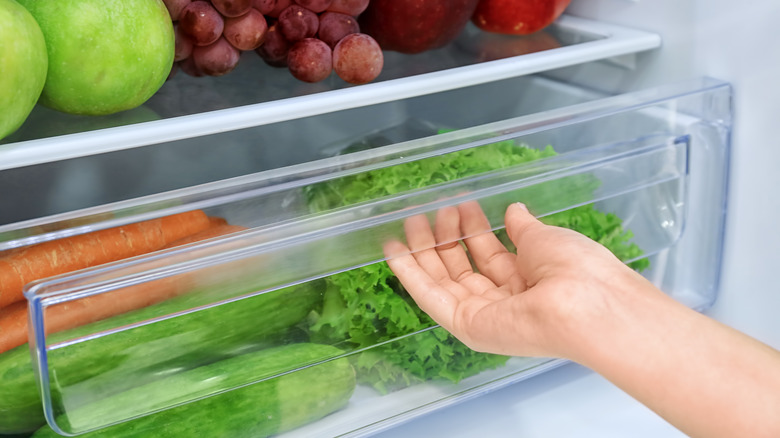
(261,409)
(111,364)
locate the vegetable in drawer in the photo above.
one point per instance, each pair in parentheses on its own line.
(14,321)
(367,308)
(24,265)
(97,368)
(261,409)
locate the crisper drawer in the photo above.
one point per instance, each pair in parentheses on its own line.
(292,324)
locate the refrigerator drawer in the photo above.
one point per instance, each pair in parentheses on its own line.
(294,325)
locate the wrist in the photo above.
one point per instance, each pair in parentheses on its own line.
(612,315)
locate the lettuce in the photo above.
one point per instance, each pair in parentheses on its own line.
(367,309)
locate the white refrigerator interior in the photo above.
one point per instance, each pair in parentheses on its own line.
(737,43)
(660,114)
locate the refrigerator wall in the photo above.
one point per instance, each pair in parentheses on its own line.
(738,44)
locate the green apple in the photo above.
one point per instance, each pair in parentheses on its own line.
(22,65)
(104,56)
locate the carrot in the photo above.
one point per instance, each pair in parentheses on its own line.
(208,233)
(13,326)
(19,267)
(13,318)
(216,221)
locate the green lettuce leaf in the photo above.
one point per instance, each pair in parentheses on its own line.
(367,308)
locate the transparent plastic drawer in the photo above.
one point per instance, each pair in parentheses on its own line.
(294,326)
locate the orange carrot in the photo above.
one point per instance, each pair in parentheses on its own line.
(208,233)
(19,267)
(13,318)
(216,221)
(13,326)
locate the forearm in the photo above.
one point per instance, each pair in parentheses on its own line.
(702,376)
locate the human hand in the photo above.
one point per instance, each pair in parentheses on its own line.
(536,303)
(565,296)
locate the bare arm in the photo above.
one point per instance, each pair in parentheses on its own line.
(565,296)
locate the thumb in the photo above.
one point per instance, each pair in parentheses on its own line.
(518,222)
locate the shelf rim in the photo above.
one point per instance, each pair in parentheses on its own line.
(615,41)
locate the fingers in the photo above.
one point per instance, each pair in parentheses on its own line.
(447,263)
(421,241)
(450,250)
(518,222)
(435,300)
(491,257)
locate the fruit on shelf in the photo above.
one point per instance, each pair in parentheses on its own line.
(349,7)
(334,26)
(216,59)
(517,17)
(184,45)
(414,26)
(310,60)
(315,6)
(175,7)
(280,6)
(104,57)
(297,23)
(292,34)
(232,8)
(264,6)
(23,64)
(246,32)
(358,59)
(201,22)
(275,47)
(488,46)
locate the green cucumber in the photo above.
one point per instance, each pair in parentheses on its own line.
(100,367)
(261,409)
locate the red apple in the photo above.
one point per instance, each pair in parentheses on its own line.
(414,26)
(487,46)
(517,17)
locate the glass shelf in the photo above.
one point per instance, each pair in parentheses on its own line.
(255,94)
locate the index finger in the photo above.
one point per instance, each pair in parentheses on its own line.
(435,300)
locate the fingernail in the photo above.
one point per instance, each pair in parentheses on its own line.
(521,205)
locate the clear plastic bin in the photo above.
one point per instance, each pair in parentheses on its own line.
(647,172)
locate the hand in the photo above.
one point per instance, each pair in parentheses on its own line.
(535,303)
(564,295)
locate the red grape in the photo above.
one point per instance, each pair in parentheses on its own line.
(188,66)
(246,32)
(335,26)
(216,59)
(232,8)
(175,6)
(310,60)
(297,23)
(201,22)
(183,44)
(349,7)
(275,47)
(280,6)
(314,5)
(264,6)
(358,59)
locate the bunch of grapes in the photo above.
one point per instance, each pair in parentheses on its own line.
(311,38)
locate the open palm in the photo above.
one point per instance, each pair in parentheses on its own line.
(502,302)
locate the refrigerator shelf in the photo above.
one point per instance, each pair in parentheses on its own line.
(256,95)
(652,164)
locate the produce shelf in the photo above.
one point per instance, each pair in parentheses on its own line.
(255,94)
